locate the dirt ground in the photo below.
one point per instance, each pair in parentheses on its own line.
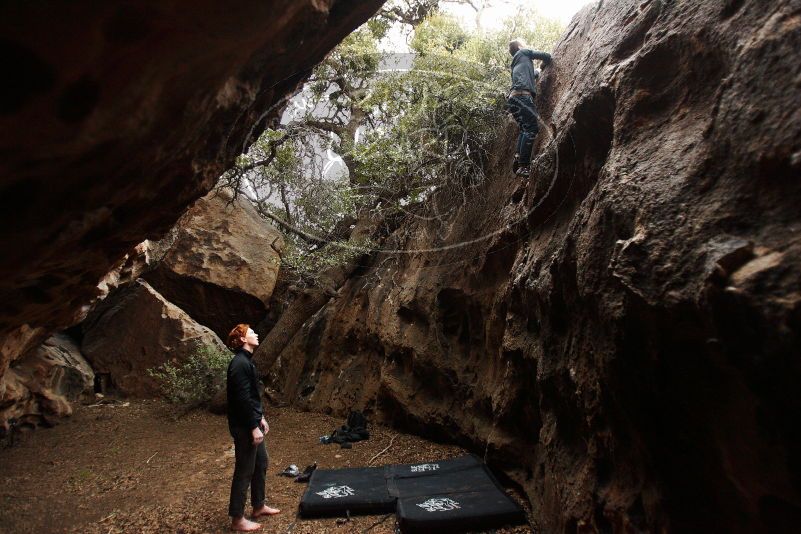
(132,468)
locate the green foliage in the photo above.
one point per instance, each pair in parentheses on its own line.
(442,115)
(346,66)
(539,32)
(439,34)
(195,381)
(308,266)
(401,135)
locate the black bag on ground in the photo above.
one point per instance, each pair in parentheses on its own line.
(354,429)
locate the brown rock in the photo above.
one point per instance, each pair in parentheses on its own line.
(121,116)
(16,343)
(135,263)
(221,263)
(41,384)
(135,329)
(623,337)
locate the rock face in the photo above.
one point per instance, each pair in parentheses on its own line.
(41,384)
(135,329)
(120,116)
(622,333)
(221,264)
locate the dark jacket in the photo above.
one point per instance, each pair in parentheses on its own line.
(244,400)
(524,76)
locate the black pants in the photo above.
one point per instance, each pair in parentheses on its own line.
(524,112)
(250,469)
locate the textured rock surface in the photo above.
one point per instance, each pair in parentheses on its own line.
(41,384)
(221,264)
(135,329)
(626,342)
(119,117)
(17,342)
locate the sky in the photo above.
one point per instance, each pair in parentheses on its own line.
(492,18)
(562,10)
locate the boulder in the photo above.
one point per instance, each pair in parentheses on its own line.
(41,385)
(620,333)
(123,114)
(135,329)
(220,263)
(17,342)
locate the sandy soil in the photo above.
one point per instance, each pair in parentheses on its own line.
(132,468)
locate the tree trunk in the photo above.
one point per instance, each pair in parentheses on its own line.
(311,301)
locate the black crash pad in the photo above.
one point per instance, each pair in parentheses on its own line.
(487,508)
(451,496)
(424,469)
(446,495)
(464,474)
(332,492)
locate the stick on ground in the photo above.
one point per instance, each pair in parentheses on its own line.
(383,451)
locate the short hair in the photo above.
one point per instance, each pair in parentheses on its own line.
(235,337)
(518,43)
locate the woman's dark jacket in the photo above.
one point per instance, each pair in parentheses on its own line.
(244,400)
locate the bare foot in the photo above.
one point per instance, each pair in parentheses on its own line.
(244,525)
(265,510)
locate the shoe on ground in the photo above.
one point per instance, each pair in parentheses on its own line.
(307,473)
(291,471)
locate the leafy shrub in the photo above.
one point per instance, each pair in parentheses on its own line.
(195,381)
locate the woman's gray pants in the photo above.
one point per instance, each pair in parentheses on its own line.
(250,469)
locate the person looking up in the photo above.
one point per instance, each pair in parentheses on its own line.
(247,426)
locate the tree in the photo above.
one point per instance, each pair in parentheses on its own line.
(371,145)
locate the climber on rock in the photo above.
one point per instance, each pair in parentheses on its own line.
(521,100)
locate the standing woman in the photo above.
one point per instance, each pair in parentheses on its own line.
(247,426)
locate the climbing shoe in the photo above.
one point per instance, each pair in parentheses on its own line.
(290,471)
(307,473)
(523,171)
(516,163)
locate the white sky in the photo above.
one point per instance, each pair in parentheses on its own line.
(493,17)
(562,10)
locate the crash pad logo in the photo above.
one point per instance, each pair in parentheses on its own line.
(336,492)
(440,504)
(422,468)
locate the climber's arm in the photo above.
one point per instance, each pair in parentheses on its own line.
(545,57)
